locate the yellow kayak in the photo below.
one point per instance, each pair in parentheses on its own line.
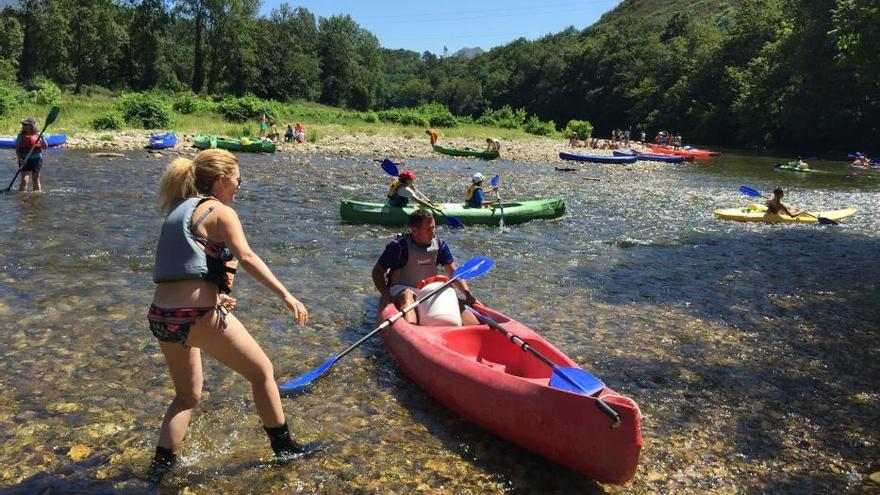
(758,213)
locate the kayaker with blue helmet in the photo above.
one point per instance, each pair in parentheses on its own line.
(411,258)
(475,197)
(402,190)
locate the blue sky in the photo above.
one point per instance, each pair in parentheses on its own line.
(457,24)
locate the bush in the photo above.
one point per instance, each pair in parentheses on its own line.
(109,122)
(370,117)
(242,109)
(45,92)
(535,126)
(583,128)
(403,116)
(187,103)
(438,115)
(8,101)
(505,117)
(144,110)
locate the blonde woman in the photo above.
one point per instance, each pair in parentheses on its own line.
(200,241)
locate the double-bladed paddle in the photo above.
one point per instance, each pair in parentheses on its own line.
(473,268)
(391,169)
(494,183)
(53,114)
(566,378)
(748,191)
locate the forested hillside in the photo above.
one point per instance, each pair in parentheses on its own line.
(799,74)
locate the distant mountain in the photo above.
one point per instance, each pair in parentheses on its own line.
(469,52)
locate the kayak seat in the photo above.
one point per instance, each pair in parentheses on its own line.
(498,366)
(484,345)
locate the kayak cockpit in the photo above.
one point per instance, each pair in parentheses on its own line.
(486,346)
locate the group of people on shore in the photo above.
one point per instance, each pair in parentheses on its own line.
(292,134)
(664,138)
(202,244)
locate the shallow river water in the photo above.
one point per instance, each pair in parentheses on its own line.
(752,349)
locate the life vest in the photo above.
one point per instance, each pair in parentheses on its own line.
(470,194)
(181,255)
(421,263)
(393,198)
(24,143)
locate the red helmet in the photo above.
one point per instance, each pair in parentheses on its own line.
(407,174)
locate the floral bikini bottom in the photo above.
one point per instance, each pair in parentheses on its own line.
(173,324)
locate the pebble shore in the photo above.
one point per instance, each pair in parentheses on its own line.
(525,150)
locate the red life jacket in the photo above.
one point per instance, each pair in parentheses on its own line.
(25,141)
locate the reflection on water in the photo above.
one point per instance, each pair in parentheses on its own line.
(752,349)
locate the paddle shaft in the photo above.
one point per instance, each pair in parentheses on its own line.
(526,347)
(27,157)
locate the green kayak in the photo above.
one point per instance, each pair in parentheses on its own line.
(514,212)
(453,151)
(243,144)
(792,167)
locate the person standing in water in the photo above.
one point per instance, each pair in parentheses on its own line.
(200,240)
(30,169)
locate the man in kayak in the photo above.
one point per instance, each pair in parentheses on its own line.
(474,197)
(775,205)
(411,258)
(402,190)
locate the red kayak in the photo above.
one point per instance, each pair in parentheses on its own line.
(692,152)
(478,373)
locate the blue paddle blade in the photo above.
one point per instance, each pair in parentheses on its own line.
(453,222)
(494,182)
(390,168)
(748,191)
(303,381)
(575,380)
(473,267)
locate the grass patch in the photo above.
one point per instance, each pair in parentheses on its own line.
(79,112)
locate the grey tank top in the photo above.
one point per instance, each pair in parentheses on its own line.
(421,262)
(178,255)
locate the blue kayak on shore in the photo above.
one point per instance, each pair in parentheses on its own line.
(162,141)
(51,140)
(597,158)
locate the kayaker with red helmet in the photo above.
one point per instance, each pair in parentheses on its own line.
(402,190)
(411,258)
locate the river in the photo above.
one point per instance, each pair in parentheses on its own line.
(751,349)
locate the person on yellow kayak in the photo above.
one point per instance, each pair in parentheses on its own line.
(775,205)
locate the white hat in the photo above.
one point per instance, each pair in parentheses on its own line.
(477,178)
